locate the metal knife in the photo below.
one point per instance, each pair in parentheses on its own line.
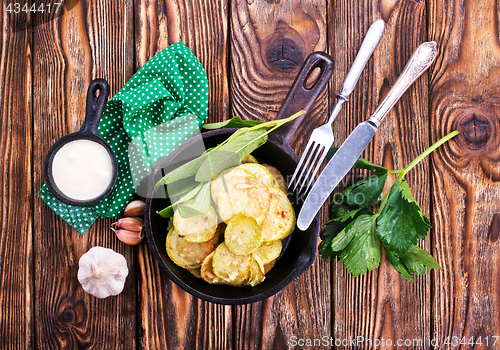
(354,145)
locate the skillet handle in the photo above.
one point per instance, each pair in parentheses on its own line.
(300,97)
(95,105)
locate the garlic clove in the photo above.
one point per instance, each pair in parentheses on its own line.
(135,208)
(129,237)
(131,224)
(102,272)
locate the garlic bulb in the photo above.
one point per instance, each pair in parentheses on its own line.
(102,272)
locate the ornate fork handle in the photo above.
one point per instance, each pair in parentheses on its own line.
(421,59)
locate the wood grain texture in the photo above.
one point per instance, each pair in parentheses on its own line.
(251,51)
(269,42)
(465,94)
(168,316)
(380,303)
(16,186)
(92,40)
(202,26)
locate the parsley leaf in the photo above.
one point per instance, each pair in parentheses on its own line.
(415,261)
(398,265)
(331,231)
(358,245)
(362,194)
(401,222)
(333,228)
(356,235)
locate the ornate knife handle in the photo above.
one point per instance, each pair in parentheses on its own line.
(421,59)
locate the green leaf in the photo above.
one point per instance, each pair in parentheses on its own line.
(363,251)
(417,260)
(361,224)
(362,194)
(331,231)
(344,237)
(180,187)
(348,215)
(202,201)
(166,213)
(183,172)
(340,206)
(414,261)
(187,212)
(226,155)
(215,163)
(245,142)
(235,122)
(398,264)
(361,163)
(190,195)
(367,192)
(401,222)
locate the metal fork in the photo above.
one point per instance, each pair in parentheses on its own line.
(322,137)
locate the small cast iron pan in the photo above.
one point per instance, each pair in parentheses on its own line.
(300,251)
(94,109)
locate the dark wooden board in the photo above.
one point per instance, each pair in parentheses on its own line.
(168,316)
(92,40)
(465,95)
(381,304)
(251,51)
(16,183)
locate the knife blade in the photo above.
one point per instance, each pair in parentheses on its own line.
(354,145)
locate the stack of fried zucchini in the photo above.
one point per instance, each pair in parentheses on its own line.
(238,243)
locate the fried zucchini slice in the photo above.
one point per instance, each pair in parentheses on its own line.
(250,159)
(267,252)
(206,270)
(269,266)
(231,268)
(196,272)
(280,179)
(220,182)
(187,254)
(256,273)
(280,220)
(260,173)
(243,235)
(200,228)
(246,196)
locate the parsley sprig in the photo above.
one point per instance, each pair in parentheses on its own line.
(357,235)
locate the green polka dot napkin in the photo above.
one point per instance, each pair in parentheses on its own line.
(161,106)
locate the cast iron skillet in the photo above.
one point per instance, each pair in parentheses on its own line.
(299,251)
(95,107)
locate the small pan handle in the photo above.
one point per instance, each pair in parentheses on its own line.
(95,105)
(300,97)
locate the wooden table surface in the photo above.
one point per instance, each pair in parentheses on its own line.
(251,51)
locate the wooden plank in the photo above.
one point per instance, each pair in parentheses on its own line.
(92,40)
(169,317)
(380,304)
(465,94)
(269,42)
(16,191)
(202,26)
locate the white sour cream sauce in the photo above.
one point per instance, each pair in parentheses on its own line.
(82,169)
